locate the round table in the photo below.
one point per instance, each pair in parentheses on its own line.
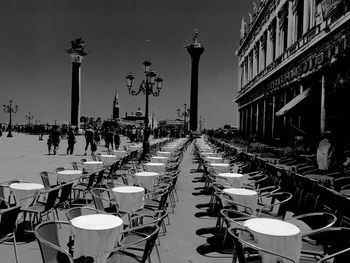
(165,154)
(243,196)
(108,159)
(220,167)
(119,154)
(92,166)
(213,159)
(94,234)
(233,179)
(25,193)
(154,167)
(169,149)
(147,179)
(276,235)
(129,198)
(66,176)
(159,159)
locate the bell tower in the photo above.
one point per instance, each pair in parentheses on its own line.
(116,106)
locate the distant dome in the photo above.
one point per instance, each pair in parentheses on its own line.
(139,112)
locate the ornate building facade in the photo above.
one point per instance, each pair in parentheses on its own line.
(294,68)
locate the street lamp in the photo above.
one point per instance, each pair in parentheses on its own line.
(185,114)
(146,87)
(29,117)
(9,109)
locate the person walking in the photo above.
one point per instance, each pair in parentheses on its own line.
(116,138)
(49,144)
(71,141)
(89,137)
(109,138)
(56,138)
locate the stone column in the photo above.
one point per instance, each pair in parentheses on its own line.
(273,116)
(306,16)
(290,24)
(76,89)
(260,55)
(268,47)
(278,40)
(240,84)
(264,118)
(195,50)
(257,118)
(251,119)
(323,109)
(254,61)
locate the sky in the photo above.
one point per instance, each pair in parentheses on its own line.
(36,72)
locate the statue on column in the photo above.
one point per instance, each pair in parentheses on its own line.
(195,37)
(77,46)
(243,28)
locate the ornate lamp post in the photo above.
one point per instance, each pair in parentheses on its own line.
(185,114)
(146,87)
(9,109)
(29,117)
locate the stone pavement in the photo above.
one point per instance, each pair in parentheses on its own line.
(190,236)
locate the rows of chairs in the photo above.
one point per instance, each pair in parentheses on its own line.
(325,237)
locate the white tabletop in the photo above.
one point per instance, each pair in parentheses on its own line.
(276,235)
(239,191)
(107,155)
(213,158)
(25,193)
(129,198)
(230,175)
(96,222)
(128,189)
(162,152)
(70,172)
(220,164)
(147,174)
(26,186)
(93,162)
(160,157)
(147,179)
(94,234)
(272,227)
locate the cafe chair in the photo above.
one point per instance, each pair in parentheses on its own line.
(48,179)
(81,211)
(103,201)
(231,218)
(81,189)
(312,223)
(273,205)
(52,242)
(246,250)
(333,246)
(8,226)
(137,251)
(40,209)
(64,198)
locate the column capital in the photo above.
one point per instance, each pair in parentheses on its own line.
(76,58)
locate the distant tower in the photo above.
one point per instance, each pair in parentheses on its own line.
(76,53)
(195,50)
(116,106)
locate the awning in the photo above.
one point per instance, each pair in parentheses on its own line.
(286,108)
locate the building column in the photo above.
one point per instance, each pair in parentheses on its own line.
(240,84)
(261,56)
(278,41)
(240,120)
(251,119)
(323,109)
(268,47)
(273,116)
(264,118)
(306,16)
(254,61)
(290,24)
(257,118)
